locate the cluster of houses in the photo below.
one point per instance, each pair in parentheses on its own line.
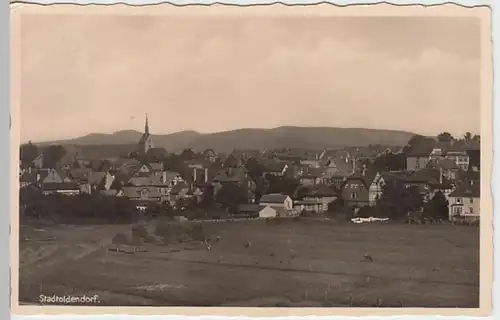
(323,177)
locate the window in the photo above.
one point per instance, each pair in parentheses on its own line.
(457,210)
(354,195)
(471,210)
(144,193)
(471,200)
(458,200)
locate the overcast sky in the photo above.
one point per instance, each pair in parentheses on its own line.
(83,74)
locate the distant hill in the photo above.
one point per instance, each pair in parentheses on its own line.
(281,137)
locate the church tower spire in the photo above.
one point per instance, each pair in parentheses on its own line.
(146,126)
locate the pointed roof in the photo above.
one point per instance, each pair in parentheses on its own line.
(273,198)
(367,175)
(146,134)
(467,190)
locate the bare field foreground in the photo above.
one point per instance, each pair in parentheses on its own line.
(288,263)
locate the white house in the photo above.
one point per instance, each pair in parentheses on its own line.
(464,202)
(268,212)
(277,200)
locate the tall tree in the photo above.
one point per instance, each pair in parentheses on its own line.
(230,196)
(27,153)
(419,142)
(437,207)
(389,162)
(187,155)
(397,200)
(255,169)
(468,136)
(174,163)
(284,185)
(445,137)
(52,155)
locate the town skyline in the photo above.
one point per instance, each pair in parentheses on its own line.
(83,74)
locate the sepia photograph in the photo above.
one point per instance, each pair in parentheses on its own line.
(265,157)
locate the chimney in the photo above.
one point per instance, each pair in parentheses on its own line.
(206,175)
(164,176)
(363,172)
(194,174)
(37,177)
(29,169)
(441,175)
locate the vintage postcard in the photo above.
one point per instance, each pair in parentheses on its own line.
(261,160)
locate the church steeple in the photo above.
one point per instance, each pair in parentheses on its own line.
(146,127)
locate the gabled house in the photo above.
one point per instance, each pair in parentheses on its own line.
(277,200)
(321,194)
(149,169)
(355,190)
(464,202)
(142,196)
(312,176)
(52,177)
(337,170)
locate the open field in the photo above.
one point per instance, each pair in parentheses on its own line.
(289,263)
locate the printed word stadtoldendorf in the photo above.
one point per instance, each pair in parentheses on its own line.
(68,299)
